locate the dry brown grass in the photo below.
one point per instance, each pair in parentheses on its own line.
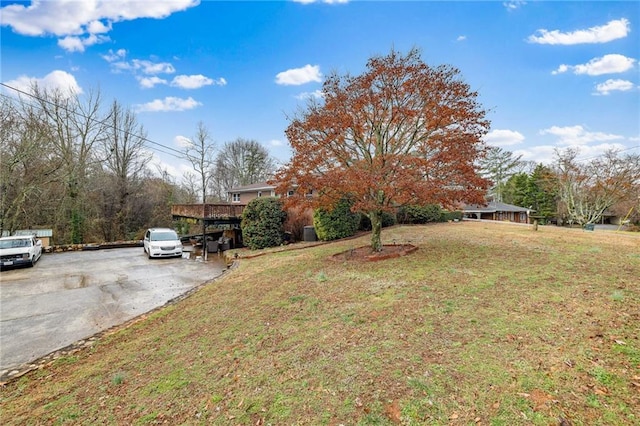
(483,324)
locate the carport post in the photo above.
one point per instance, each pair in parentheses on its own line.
(205,249)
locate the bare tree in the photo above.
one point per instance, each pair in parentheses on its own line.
(587,190)
(68,166)
(25,169)
(241,162)
(126,159)
(200,153)
(77,127)
(190,186)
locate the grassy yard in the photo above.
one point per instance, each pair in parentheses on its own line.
(485,324)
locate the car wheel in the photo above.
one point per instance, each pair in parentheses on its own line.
(33,262)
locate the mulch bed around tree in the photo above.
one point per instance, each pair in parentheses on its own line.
(366,254)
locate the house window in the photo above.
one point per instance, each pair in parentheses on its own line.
(259,193)
(236,198)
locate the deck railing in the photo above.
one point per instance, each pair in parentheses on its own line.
(208,211)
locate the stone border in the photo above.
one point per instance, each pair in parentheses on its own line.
(91,246)
(346,255)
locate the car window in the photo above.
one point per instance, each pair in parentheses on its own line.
(15,243)
(164,236)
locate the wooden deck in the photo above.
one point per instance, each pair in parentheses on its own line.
(208,211)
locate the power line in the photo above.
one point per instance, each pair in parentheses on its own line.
(617,151)
(178,154)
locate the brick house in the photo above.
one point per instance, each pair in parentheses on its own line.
(497,211)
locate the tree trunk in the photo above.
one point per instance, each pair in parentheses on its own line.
(376,229)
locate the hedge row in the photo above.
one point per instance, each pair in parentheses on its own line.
(263,219)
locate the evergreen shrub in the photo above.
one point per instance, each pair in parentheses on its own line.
(340,222)
(420,214)
(262,223)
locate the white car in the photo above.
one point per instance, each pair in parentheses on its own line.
(162,242)
(19,250)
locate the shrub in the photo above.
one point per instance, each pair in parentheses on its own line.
(420,214)
(262,223)
(448,215)
(338,223)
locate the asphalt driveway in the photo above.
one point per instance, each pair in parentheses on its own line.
(70,296)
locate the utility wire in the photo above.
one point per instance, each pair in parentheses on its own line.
(168,150)
(602,155)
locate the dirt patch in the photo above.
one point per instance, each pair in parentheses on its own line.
(366,254)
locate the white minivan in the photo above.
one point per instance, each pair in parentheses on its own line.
(162,242)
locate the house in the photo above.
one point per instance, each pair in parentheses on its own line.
(244,194)
(495,210)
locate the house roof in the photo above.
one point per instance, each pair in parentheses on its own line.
(260,186)
(494,206)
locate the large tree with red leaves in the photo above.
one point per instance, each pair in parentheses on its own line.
(400,133)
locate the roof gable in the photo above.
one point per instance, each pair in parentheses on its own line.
(260,186)
(494,206)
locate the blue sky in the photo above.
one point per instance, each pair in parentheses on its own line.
(551,74)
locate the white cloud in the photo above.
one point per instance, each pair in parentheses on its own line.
(614,85)
(169,103)
(500,137)
(71,44)
(98,27)
(56,80)
(561,69)
(195,81)
(298,76)
(151,82)
(546,154)
(78,44)
(175,168)
(148,67)
(276,143)
(317,94)
(461,38)
(601,34)
(64,18)
(513,5)
(540,154)
(137,65)
(191,81)
(577,135)
(608,64)
(182,141)
(115,56)
(589,144)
